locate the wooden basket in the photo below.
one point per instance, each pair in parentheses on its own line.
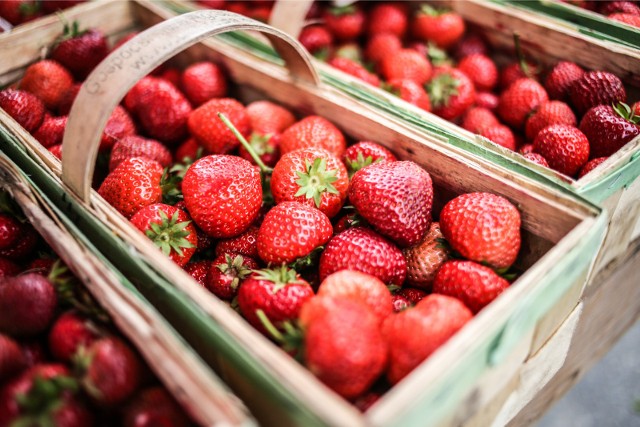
(561,231)
(192,383)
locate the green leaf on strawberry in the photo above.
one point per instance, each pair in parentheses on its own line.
(316,180)
(624,111)
(281,277)
(169,233)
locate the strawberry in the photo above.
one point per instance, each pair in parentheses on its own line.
(312,176)
(317,39)
(499,134)
(471,44)
(279,293)
(366,401)
(361,287)
(481,70)
(226,273)
(203,81)
(48,80)
(396,198)
(292,230)
(51,131)
(67,99)
(136,146)
(405,64)
(477,118)
(482,227)
(411,92)
(399,303)
(24,107)
(354,69)
(25,246)
(442,27)
(119,125)
(565,148)
(267,147)
(27,304)
(425,258)
(591,165)
(56,150)
(487,100)
(8,268)
(19,11)
(364,153)
(172,75)
(343,344)
(526,149)
(170,229)
(211,132)
(362,249)
(414,334)
(451,93)
(12,360)
(9,231)
(269,118)
(69,333)
(199,270)
(344,23)
(80,52)
(313,131)
(223,194)
(519,100)
(626,18)
(536,158)
(514,72)
(34,351)
(610,7)
(413,295)
(153,407)
(382,45)
(608,129)
(473,284)
(112,371)
(188,152)
(134,184)
(42,266)
(549,113)
(387,18)
(596,88)
(560,78)
(243,244)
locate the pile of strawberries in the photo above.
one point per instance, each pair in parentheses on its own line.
(16,12)
(627,12)
(62,362)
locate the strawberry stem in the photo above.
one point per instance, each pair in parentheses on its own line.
(263,168)
(275,333)
(520,55)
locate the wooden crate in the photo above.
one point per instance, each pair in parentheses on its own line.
(201,393)
(561,235)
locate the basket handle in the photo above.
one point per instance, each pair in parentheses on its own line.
(123,68)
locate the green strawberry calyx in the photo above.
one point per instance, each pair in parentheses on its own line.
(624,111)
(234,267)
(360,162)
(442,88)
(349,9)
(169,234)
(38,405)
(264,169)
(279,276)
(170,183)
(316,180)
(437,56)
(291,339)
(260,143)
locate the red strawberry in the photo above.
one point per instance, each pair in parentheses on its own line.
(312,176)
(526,149)
(473,284)
(591,165)
(24,107)
(609,7)
(42,266)
(12,360)
(56,150)
(560,78)
(396,198)
(316,39)
(67,99)
(223,194)
(514,72)
(414,334)
(406,64)
(19,11)
(118,126)
(520,100)
(8,268)
(366,401)
(477,118)
(608,129)
(399,303)
(482,227)
(313,131)
(343,344)
(364,153)
(382,45)
(536,158)
(134,184)
(292,230)
(451,93)
(9,231)
(354,69)
(211,132)
(387,18)
(425,258)
(279,293)
(565,148)
(549,113)
(481,70)
(188,152)
(199,270)
(361,287)
(243,244)
(487,100)
(203,81)
(48,80)
(25,246)
(269,118)
(499,134)
(626,18)
(226,273)
(34,351)
(364,250)
(80,52)
(172,75)
(413,295)
(136,146)
(51,131)
(170,229)
(345,23)
(596,88)
(471,44)
(153,407)
(442,27)
(411,92)
(69,333)
(27,304)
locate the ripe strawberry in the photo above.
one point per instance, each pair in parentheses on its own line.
(345,23)
(172,75)
(364,153)
(361,287)
(560,78)
(19,11)
(56,150)
(565,148)
(223,194)
(473,284)
(27,304)
(514,72)
(596,88)
(12,360)
(451,93)
(67,99)
(399,303)
(279,293)
(610,7)
(382,45)
(442,27)
(269,118)
(211,132)
(343,345)
(536,158)
(411,92)
(406,64)
(24,107)
(520,100)
(42,266)
(154,407)
(526,149)
(51,131)
(203,81)
(501,135)
(481,70)
(170,229)
(226,273)
(134,184)
(471,44)
(80,52)
(413,295)
(477,118)
(118,126)
(396,198)
(387,18)
(425,258)
(69,333)
(366,401)
(362,249)
(549,113)
(482,227)
(9,231)
(591,165)
(354,69)
(292,230)
(188,152)
(414,334)
(313,131)
(312,176)
(34,351)
(316,39)
(608,129)
(626,18)
(48,80)
(8,268)
(136,146)
(487,100)
(243,244)
(112,371)
(199,270)
(26,245)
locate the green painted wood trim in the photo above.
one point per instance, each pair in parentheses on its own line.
(622,177)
